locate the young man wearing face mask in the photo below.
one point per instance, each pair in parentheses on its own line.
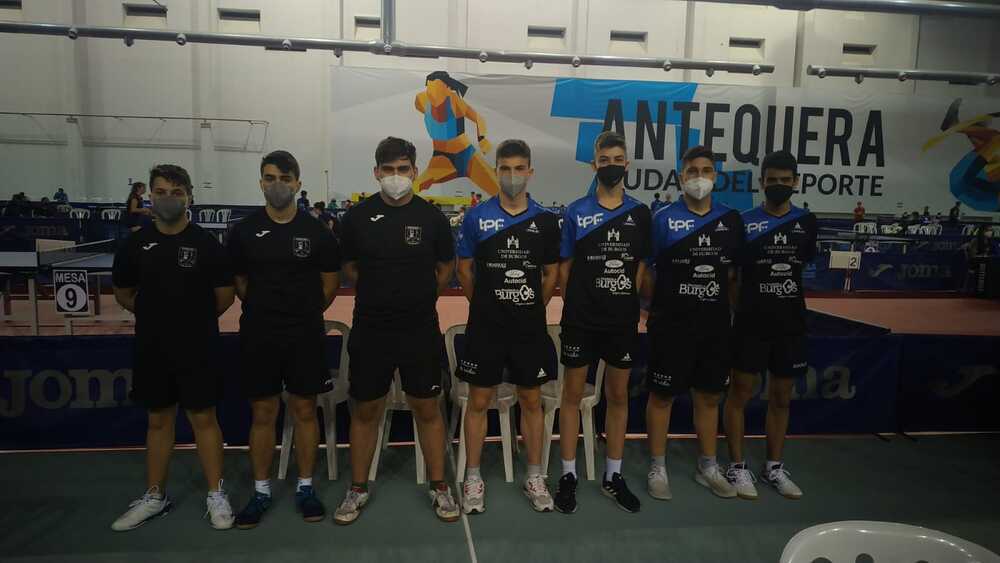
(770,320)
(287,273)
(508,263)
(695,242)
(177,279)
(399,255)
(605,238)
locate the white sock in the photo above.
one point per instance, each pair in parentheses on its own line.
(707,462)
(771,464)
(304,482)
(569,466)
(473,472)
(263,487)
(612,466)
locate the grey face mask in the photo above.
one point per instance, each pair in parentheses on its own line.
(279,195)
(169,209)
(512,185)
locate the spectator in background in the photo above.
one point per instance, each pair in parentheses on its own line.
(303,201)
(937,218)
(657,204)
(60,196)
(18,206)
(926,217)
(859,213)
(668,200)
(474,200)
(136,216)
(954,213)
(45,208)
(321,214)
(332,208)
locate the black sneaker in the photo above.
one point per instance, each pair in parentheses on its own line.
(566,494)
(309,505)
(616,489)
(251,514)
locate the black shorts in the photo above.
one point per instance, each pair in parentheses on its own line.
(294,363)
(159,382)
(376,354)
(680,360)
(784,355)
(582,347)
(528,358)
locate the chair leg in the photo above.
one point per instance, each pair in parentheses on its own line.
(382,431)
(286,443)
(513,432)
(453,421)
(330,420)
(586,416)
(460,464)
(505,438)
(421,465)
(550,419)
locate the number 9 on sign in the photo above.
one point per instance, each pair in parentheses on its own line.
(71,298)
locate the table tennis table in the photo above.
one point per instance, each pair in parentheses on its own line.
(31,264)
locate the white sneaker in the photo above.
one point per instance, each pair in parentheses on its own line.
(778,477)
(474,495)
(150,505)
(218,510)
(713,479)
(538,493)
(444,504)
(350,508)
(743,479)
(658,484)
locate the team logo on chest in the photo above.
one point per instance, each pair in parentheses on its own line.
(413,235)
(301,247)
(187,257)
(780,238)
(532,228)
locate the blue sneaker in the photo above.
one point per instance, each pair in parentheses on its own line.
(309,505)
(251,514)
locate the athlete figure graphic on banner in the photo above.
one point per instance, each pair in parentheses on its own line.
(445,109)
(975,180)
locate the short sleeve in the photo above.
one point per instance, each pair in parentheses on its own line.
(348,239)
(550,240)
(444,241)
(329,252)
(221,265)
(467,237)
(236,252)
(807,252)
(568,242)
(125,270)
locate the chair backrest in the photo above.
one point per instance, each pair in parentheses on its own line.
(112,214)
(871,228)
(449,346)
(80,213)
(222,215)
(881,541)
(555,332)
(912,229)
(188,213)
(343,377)
(206,215)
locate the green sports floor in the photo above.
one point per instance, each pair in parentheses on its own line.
(59,506)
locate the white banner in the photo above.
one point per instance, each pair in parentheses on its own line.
(890,152)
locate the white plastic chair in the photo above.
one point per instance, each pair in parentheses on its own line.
(80,213)
(883,542)
(328,403)
(968,230)
(503,400)
(188,213)
(111,214)
(222,215)
(206,216)
(552,398)
(913,229)
(866,227)
(395,400)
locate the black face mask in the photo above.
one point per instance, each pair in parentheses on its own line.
(777,194)
(610,175)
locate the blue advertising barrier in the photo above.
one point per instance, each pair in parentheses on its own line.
(949,383)
(910,271)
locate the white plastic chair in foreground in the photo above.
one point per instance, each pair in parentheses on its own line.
(881,542)
(222,215)
(503,400)
(206,215)
(395,400)
(328,403)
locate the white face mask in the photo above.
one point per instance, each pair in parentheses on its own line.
(698,188)
(395,186)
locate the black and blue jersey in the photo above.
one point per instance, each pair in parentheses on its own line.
(771,263)
(509,252)
(693,255)
(606,246)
